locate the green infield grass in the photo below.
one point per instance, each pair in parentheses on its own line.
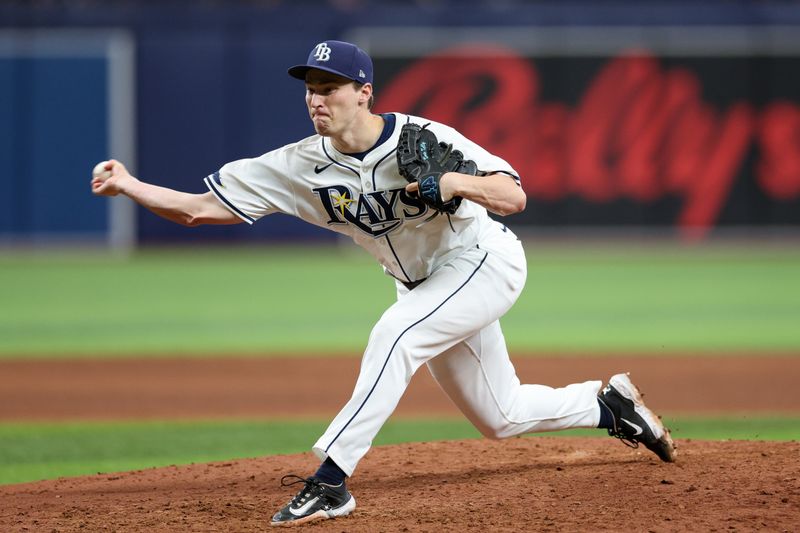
(267,300)
(35,451)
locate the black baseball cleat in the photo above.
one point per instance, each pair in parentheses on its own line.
(315,501)
(634,423)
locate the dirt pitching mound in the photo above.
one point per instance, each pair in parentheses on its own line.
(522,484)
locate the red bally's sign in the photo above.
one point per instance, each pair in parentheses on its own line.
(639,130)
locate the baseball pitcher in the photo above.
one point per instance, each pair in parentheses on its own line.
(415,194)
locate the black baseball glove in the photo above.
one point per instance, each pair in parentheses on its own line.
(421,158)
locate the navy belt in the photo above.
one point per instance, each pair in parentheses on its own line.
(411,285)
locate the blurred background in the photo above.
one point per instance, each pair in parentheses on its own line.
(648,135)
(624,118)
(658,143)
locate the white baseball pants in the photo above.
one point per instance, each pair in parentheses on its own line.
(451,323)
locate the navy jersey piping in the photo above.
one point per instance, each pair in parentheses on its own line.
(395,344)
(375,168)
(399,263)
(335,162)
(236,210)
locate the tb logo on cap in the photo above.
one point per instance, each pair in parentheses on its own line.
(322,52)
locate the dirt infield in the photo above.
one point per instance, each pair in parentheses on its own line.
(253,387)
(523,484)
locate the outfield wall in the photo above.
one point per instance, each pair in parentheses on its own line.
(630,116)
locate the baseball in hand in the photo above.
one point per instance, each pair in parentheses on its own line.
(100,171)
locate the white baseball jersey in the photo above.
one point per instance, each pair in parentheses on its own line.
(473,273)
(365,199)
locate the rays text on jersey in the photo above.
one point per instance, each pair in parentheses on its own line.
(376,213)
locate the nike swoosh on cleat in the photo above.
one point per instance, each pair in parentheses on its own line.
(318,169)
(638,428)
(302,510)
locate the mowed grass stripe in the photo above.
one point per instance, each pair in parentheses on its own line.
(34,451)
(300,300)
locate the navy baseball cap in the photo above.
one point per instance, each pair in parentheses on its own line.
(338,57)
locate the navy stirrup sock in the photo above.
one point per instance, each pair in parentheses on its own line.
(606,416)
(330,473)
